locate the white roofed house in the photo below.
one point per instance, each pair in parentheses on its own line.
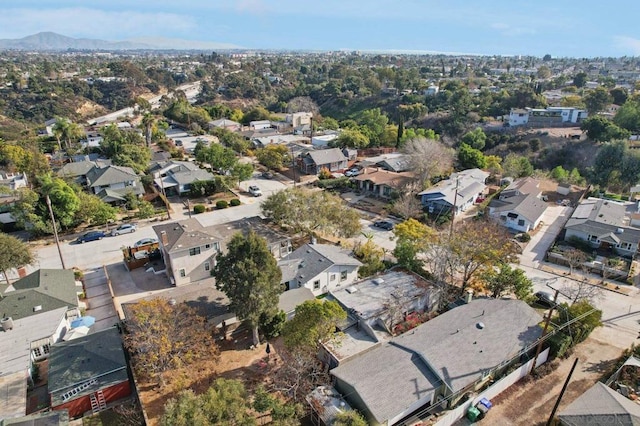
(606,224)
(519,206)
(460,190)
(319,267)
(13,181)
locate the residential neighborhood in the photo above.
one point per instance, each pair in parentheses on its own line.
(246,236)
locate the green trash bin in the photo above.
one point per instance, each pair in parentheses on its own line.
(473,413)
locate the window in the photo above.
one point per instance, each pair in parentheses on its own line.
(316,285)
(216,246)
(182,272)
(343,275)
(194,251)
(521,222)
(46,348)
(593,238)
(37,353)
(333,277)
(207,266)
(207,246)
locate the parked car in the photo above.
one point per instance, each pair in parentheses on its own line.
(384,224)
(255,191)
(145,241)
(90,236)
(125,228)
(544,298)
(352,172)
(267,175)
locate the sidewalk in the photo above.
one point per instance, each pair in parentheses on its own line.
(611,285)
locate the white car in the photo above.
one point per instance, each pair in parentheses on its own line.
(352,172)
(125,228)
(255,191)
(145,241)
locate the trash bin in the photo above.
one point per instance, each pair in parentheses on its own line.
(486,403)
(473,413)
(482,408)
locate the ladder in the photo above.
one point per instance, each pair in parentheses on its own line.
(98,403)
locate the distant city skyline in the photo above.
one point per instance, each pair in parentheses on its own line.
(491,27)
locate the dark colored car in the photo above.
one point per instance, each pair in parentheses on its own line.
(544,298)
(90,236)
(384,224)
(267,175)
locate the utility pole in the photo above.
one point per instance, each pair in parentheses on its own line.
(453,209)
(293,165)
(55,231)
(189,207)
(564,388)
(547,320)
(165,200)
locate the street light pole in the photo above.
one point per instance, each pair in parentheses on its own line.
(55,231)
(165,199)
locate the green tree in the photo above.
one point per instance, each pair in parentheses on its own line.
(242,171)
(351,138)
(607,163)
(64,201)
(349,418)
(373,123)
(249,275)
(315,322)
(580,79)
(471,158)
(628,116)
(305,211)
(560,174)
(413,237)
(371,257)
(13,254)
(508,280)
(601,129)
(597,100)
(475,138)
(162,337)
(224,403)
(274,157)
(619,95)
(516,166)
(219,157)
(92,210)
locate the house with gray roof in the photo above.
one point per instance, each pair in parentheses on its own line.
(459,192)
(176,177)
(401,163)
(601,405)
(50,418)
(225,123)
(441,360)
(35,313)
(519,206)
(189,249)
(319,267)
(112,183)
(332,159)
(87,373)
(606,224)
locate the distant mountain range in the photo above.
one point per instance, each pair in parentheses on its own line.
(49,41)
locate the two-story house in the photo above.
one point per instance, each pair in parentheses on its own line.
(188,250)
(319,267)
(176,177)
(36,312)
(112,183)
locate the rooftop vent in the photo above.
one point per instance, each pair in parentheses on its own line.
(37,308)
(351,290)
(480,325)
(378,281)
(6,323)
(619,231)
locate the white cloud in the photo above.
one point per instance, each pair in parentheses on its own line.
(509,30)
(91,23)
(628,44)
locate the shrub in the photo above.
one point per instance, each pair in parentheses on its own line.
(198,208)
(221,204)
(525,238)
(234,202)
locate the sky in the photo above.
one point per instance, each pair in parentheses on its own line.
(586,28)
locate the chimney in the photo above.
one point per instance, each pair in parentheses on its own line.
(468,296)
(163,237)
(7,323)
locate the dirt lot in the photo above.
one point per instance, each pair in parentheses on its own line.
(530,402)
(237,361)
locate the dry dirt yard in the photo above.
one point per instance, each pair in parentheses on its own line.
(530,402)
(237,361)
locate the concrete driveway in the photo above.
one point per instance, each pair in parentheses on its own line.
(554,219)
(267,186)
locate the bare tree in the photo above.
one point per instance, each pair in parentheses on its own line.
(300,373)
(428,158)
(575,258)
(407,205)
(582,289)
(303,104)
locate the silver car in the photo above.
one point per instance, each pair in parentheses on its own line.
(125,228)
